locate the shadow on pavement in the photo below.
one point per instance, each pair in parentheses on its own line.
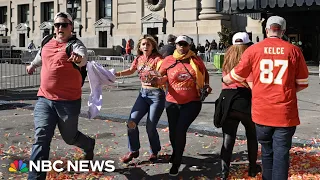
(14,95)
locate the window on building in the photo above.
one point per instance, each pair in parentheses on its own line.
(22,40)
(23,13)
(103,35)
(47,10)
(75,15)
(105,10)
(3,15)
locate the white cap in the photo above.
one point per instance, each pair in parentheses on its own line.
(240,38)
(183,38)
(276,20)
(63,13)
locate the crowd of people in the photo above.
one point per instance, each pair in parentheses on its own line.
(176,80)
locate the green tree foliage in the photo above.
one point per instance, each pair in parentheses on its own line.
(226,36)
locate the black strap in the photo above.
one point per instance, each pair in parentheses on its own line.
(194,79)
(172,65)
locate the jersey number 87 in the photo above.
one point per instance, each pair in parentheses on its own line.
(266,68)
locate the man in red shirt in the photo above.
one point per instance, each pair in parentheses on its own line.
(279,71)
(59,94)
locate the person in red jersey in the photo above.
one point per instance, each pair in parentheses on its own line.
(279,71)
(234,106)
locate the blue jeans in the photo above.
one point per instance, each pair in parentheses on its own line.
(48,114)
(275,146)
(149,101)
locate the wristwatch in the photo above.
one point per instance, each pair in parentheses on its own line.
(222,79)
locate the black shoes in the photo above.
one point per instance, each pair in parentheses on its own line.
(174,171)
(89,154)
(224,175)
(153,157)
(253,171)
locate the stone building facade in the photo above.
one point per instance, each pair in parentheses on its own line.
(108,23)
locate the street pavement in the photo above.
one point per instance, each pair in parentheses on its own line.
(200,161)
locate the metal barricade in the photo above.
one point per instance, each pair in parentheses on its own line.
(13,75)
(118,63)
(28,56)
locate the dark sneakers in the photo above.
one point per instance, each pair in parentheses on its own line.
(129,156)
(174,171)
(253,171)
(89,154)
(153,157)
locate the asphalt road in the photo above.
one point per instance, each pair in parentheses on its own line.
(200,161)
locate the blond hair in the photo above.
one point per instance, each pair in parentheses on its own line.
(151,40)
(232,57)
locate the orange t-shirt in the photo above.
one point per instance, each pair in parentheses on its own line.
(277,67)
(182,88)
(59,79)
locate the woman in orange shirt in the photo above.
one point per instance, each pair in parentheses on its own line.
(186,76)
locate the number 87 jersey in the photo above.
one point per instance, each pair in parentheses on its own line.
(278,69)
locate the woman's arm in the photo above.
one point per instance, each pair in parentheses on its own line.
(206,77)
(125,72)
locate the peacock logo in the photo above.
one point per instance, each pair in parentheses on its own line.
(18,166)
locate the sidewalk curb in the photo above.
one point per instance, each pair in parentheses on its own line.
(205,130)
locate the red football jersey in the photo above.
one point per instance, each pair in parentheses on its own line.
(278,68)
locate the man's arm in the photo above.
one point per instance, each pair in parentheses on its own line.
(302,71)
(37,61)
(241,71)
(79,48)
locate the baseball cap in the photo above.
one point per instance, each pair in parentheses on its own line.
(183,38)
(67,15)
(241,38)
(276,23)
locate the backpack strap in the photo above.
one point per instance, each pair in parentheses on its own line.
(69,48)
(45,40)
(69,45)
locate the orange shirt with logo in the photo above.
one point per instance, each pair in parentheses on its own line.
(181,86)
(278,68)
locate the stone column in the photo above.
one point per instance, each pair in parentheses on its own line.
(208,11)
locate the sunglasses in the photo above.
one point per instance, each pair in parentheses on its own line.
(184,44)
(64,25)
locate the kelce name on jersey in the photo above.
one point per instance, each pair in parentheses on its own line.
(273,50)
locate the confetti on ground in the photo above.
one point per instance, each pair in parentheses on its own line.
(305,164)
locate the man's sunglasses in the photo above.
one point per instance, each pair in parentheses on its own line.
(184,44)
(64,25)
